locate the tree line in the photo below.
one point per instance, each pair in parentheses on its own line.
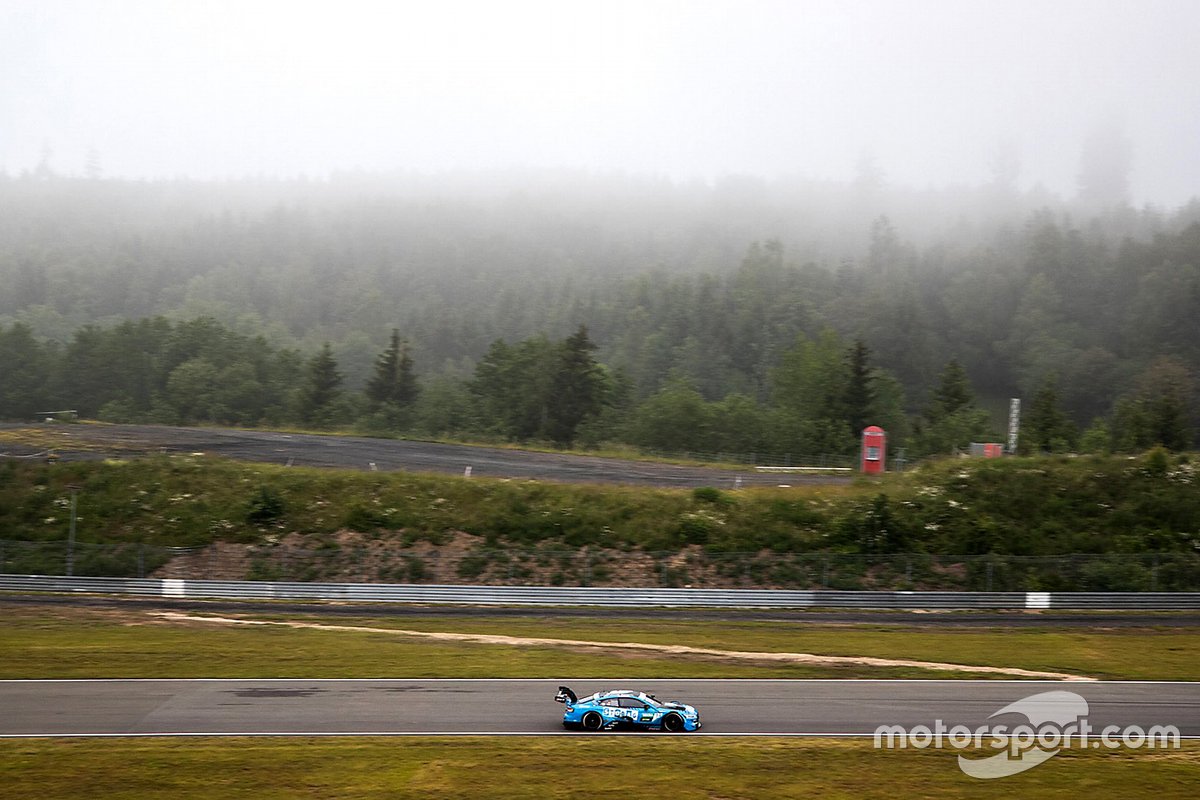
(820,395)
(697,298)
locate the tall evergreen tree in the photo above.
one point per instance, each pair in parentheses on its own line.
(810,380)
(321,390)
(1158,411)
(511,387)
(576,388)
(859,399)
(1047,428)
(393,381)
(952,419)
(953,393)
(24,367)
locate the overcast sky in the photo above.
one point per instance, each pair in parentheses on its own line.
(931,89)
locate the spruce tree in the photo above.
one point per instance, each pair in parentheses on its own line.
(380,386)
(953,393)
(1047,428)
(321,390)
(393,381)
(859,397)
(576,388)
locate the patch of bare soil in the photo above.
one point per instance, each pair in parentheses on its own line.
(457,558)
(464,559)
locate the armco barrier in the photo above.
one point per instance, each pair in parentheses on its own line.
(597,596)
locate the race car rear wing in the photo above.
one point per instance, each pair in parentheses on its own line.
(565,695)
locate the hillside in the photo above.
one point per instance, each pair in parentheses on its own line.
(1022,523)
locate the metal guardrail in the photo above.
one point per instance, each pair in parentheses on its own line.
(596,596)
(429,565)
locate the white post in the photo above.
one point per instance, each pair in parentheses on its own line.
(1014,424)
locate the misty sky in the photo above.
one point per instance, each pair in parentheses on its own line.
(931,89)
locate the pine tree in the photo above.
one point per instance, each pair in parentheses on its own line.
(321,390)
(859,398)
(953,393)
(1047,428)
(380,386)
(406,387)
(576,388)
(393,381)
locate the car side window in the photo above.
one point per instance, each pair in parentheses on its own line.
(609,701)
(630,702)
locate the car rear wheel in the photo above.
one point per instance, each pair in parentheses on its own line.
(592,721)
(672,723)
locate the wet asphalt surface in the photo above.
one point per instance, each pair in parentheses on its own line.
(433,706)
(357,452)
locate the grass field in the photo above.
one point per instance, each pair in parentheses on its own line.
(527,767)
(65,642)
(58,642)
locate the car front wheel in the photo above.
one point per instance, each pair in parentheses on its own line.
(672,723)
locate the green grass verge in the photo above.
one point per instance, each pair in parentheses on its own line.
(44,642)
(69,644)
(1115,653)
(592,767)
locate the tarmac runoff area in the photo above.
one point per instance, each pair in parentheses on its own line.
(76,442)
(398,706)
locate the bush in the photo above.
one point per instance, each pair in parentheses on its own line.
(1157,462)
(708,494)
(416,569)
(265,507)
(473,565)
(364,519)
(695,528)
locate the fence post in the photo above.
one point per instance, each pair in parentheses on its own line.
(71,532)
(141,559)
(2,561)
(1153,572)
(989,575)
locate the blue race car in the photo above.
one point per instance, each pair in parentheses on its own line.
(621,708)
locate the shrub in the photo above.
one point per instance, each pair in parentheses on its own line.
(695,528)
(364,519)
(265,506)
(472,565)
(414,569)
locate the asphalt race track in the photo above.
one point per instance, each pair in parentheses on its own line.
(356,452)
(429,706)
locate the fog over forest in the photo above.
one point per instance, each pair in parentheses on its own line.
(929,92)
(773,221)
